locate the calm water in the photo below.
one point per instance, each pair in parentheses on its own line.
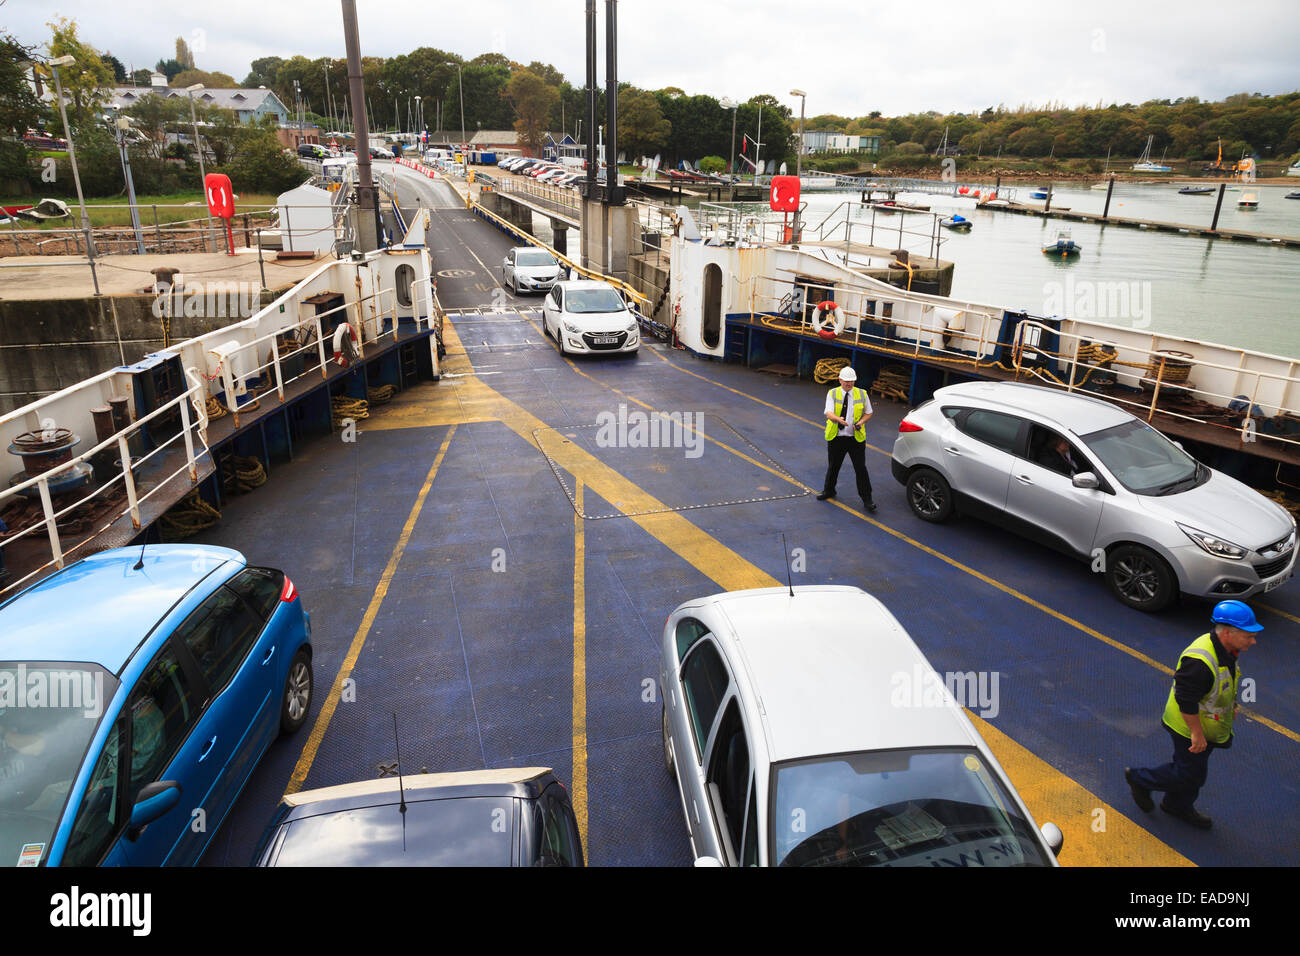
(1236,293)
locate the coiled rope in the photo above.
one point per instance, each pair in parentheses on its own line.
(189,516)
(241,475)
(827,370)
(345,408)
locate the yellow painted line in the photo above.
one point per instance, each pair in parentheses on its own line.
(309,750)
(578,791)
(1096,834)
(1280,613)
(1049,794)
(993,582)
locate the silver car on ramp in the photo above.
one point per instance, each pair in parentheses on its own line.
(1087,478)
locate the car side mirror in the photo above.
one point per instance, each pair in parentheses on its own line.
(1054,837)
(708,861)
(1086,480)
(151,803)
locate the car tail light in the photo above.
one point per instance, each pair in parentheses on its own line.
(906,426)
(288,592)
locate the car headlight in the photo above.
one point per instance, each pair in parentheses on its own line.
(633,326)
(570,327)
(1214,545)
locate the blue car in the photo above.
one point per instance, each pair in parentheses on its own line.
(139,688)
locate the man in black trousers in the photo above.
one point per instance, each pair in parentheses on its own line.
(847,411)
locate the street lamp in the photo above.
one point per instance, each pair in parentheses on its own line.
(124,127)
(798,159)
(460,85)
(728,103)
(419,122)
(54,65)
(198,146)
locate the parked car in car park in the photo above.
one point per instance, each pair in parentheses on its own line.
(791,746)
(1085,477)
(178,666)
(586,315)
(527,269)
(520,817)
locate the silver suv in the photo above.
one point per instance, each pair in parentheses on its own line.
(1083,476)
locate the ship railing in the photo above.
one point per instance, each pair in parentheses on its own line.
(967,335)
(191,436)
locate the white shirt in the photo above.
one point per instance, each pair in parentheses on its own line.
(833,407)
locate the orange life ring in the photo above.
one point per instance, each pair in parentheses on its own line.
(345,353)
(830,313)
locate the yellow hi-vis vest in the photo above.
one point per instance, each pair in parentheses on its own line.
(859,400)
(1215,708)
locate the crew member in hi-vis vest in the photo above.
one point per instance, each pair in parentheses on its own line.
(1198,713)
(847,411)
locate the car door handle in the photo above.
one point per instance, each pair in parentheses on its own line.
(269,654)
(950,449)
(1024,479)
(696,807)
(207,750)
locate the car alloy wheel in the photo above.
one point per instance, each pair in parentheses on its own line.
(929,495)
(297,693)
(1140,578)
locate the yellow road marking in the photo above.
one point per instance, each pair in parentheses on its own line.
(578,790)
(1280,613)
(1096,834)
(309,750)
(993,582)
(1049,794)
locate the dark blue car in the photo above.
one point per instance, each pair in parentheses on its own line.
(139,688)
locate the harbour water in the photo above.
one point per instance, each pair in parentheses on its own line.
(1237,293)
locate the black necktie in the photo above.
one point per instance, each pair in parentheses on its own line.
(844,412)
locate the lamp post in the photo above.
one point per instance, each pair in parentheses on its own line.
(461,87)
(728,103)
(798,161)
(419,123)
(54,65)
(198,146)
(124,127)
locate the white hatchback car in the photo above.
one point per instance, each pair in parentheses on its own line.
(586,315)
(525,269)
(793,744)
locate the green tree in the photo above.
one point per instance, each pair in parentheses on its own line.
(262,73)
(213,81)
(169,68)
(183,55)
(261,164)
(532,98)
(712,164)
(85,82)
(119,71)
(642,127)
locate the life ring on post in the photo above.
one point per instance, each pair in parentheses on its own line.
(828,314)
(346,345)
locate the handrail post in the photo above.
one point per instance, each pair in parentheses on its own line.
(1155,393)
(129,479)
(51,526)
(275,363)
(1074,366)
(320,347)
(189,439)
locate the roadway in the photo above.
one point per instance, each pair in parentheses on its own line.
(451,582)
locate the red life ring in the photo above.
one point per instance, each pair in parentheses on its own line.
(830,313)
(346,352)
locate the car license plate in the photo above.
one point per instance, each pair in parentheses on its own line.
(604,339)
(1278,583)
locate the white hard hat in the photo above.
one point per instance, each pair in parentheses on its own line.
(847,374)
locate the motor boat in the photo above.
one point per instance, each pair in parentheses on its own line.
(1064,247)
(1195,190)
(956,223)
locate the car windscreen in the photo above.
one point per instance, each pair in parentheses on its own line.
(48,716)
(898,808)
(535,257)
(1143,460)
(459,831)
(580,301)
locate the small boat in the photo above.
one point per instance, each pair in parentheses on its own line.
(1144,163)
(1293,196)
(1038,194)
(956,223)
(1195,190)
(1248,201)
(1063,247)
(1100,186)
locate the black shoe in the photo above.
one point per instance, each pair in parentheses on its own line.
(1141,795)
(1190,815)
(825,494)
(870,506)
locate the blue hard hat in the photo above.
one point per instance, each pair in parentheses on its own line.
(1235,614)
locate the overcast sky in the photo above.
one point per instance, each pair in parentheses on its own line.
(850,56)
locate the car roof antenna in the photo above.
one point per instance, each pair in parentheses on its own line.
(786,551)
(140,563)
(401,789)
